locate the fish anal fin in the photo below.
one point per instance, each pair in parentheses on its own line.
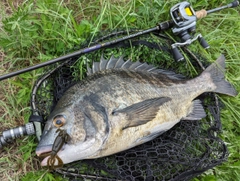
(142,112)
(197,112)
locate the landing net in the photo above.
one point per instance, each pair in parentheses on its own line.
(184,152)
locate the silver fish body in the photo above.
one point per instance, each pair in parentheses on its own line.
(123,104)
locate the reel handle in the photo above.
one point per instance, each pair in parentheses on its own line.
(203,43)
(177,55)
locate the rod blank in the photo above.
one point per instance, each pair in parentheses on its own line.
(77,53)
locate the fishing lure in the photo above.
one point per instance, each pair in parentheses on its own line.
(62,137)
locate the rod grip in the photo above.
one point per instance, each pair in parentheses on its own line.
(201,14)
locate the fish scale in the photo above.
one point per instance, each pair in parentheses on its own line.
(122,104)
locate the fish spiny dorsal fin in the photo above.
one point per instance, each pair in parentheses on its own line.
(95,67)
(119,63)
(103,63)
(138,66)
(89,70)
(135,65)
(126,64)
(144,67)
(111,63)
(151,68)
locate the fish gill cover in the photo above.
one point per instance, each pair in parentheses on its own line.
(183,152)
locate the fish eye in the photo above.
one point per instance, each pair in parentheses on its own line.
(59,121)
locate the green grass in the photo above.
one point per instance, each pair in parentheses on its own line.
(37,31)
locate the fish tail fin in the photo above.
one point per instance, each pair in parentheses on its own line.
(216,71)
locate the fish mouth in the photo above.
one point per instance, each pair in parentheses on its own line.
(43,150)
(44,153)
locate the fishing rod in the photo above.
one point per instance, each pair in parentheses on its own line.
(183,25)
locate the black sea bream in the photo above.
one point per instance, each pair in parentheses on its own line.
(123,104)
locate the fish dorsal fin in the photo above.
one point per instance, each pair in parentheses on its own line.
(95,67)
(119,63)
(89,70)
(103,63)
(111,63)
(170,74)
(135,65)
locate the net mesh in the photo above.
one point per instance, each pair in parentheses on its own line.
(185,151)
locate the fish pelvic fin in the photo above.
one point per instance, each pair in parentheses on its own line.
(142,112)
(217,70)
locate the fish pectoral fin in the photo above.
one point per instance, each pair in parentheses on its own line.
(197,112)
(142,112)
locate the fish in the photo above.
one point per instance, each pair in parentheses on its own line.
(122,104)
